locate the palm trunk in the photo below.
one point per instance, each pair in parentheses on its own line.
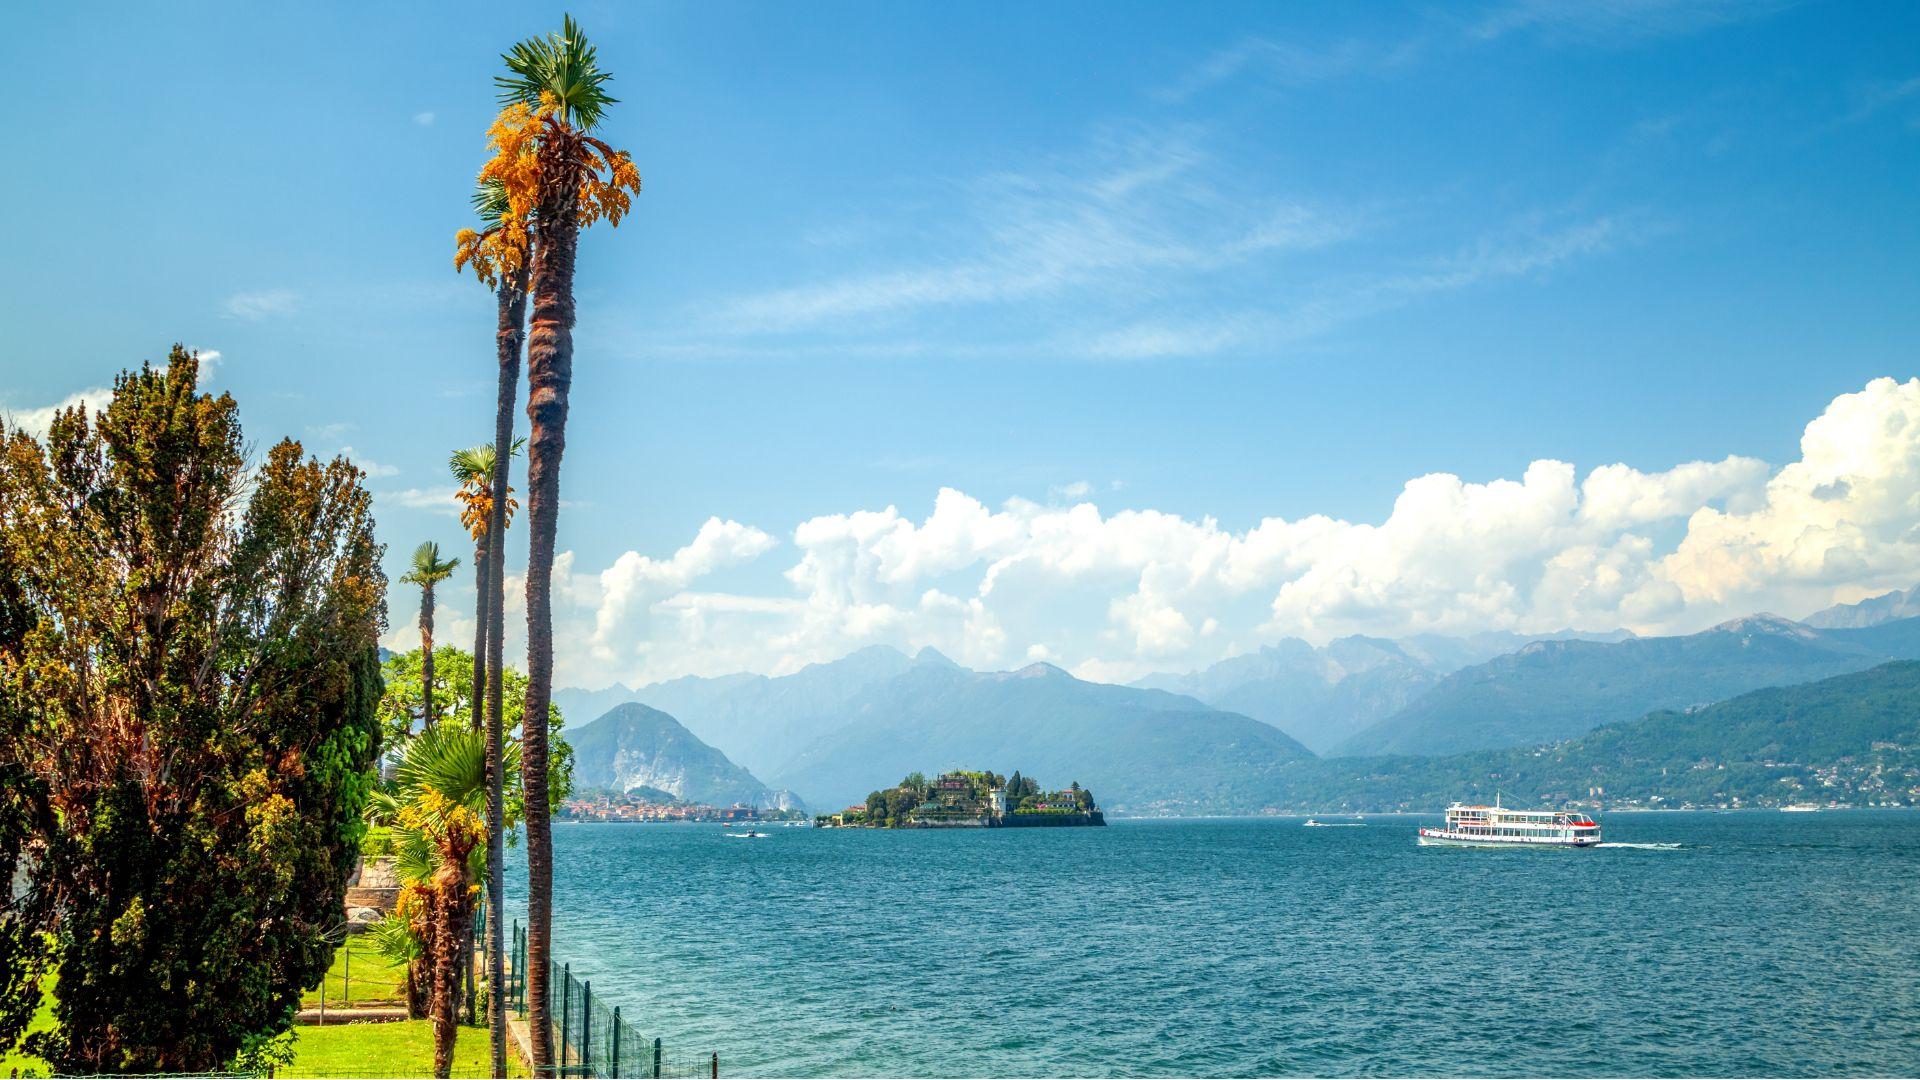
(478,695)
(513,313)
(549,379)
(426,652)
(451,910)
(418,976)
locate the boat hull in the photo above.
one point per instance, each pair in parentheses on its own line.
(1442,838)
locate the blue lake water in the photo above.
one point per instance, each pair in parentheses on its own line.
(1766,944)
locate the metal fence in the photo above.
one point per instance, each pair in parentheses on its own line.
(590,1038)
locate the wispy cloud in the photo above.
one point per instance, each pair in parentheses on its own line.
(1134,203)
(1518,253)
(424,119)
(1878,97)
(1618,22)
(1286,63)
(260,305)
(1596,23)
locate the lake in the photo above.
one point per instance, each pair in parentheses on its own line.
(1763,944)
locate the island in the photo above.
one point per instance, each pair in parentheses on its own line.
(968,800)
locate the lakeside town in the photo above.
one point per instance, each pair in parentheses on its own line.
(653,808)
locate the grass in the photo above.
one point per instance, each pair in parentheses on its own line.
(402,1048)
(16,1063)
(359,976)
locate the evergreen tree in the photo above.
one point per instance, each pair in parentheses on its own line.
(196,695)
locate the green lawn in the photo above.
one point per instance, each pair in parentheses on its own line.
(402,1048)
(359,976)
(15,1062)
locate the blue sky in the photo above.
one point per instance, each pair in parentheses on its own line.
(1219,265)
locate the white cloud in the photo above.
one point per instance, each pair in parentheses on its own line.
(1116,595)
(373,469)
(635,582)
(424,119)
(36,421)
(438,500)
(258,306)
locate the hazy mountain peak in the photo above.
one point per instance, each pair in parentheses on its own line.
(634,746)
(930,655)
(872,656)
(1039,669)
(1766,622)
(1898,604)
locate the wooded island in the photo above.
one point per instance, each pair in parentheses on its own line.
(965,799)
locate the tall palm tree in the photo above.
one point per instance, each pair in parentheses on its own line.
(441,786)
(473,468)
(577,180)
(428,570)
(498,254)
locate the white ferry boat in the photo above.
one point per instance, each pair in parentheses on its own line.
(1497,826)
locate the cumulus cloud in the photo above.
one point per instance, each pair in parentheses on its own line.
(1113,595)
(36,421)
(634,582)
(372,468)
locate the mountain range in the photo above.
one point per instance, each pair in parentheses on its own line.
(1139,750)
(1324,696)
(1852,738)
(1553,690)
(1898,604)
(1237,735)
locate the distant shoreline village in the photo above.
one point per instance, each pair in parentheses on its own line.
(968,800)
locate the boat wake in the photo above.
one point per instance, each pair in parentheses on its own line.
(1641,847)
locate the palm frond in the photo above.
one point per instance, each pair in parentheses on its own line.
(414,856)
(450,759)
(490,200)
(427,566)
(382,808)
(393,939)
(472,465)
(565,65)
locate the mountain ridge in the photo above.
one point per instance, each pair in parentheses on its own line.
(1554,690)
(634,746)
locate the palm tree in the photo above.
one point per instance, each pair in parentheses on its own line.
(441,787)
(473,468)
(498,255)
(428,571)
(554,93)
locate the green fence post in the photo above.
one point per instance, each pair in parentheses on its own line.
(566,1006)
(346,972)
(616,1043)
(716,1065)
(656,1059)
(586,1025)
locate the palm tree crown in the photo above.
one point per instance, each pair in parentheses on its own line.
(472,468)
(428,568)
(563,66)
